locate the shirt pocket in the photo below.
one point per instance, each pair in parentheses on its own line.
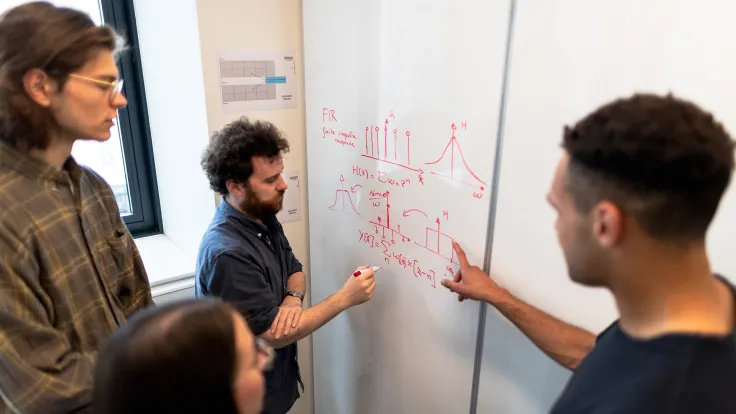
(119,265)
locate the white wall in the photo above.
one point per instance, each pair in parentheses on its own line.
(172,72)
(257,25)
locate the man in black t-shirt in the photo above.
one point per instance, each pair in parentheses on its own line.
(635,192)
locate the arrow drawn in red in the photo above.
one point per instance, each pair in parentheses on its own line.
(352,189)
(406,212)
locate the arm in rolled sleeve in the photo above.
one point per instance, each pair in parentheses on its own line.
(39,370)
(297,279)
(240,281)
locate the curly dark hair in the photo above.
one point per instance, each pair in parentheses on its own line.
(229,154)
(662,159)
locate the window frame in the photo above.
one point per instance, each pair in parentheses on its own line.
(133,124)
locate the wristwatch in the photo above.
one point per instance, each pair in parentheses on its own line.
(294,293)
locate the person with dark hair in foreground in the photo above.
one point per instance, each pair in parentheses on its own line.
(245,258)
(635,192)
(192,356)
(70,272)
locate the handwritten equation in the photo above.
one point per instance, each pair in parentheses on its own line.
(383,177)
(392,254)
(407,238)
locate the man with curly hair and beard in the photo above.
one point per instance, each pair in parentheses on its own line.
(245,258)
(635,192)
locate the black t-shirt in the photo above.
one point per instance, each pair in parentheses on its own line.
(678,373)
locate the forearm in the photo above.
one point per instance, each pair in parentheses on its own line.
(564,343)
(297,282)
(311,319)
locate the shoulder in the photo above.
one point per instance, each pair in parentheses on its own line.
(94,179)
(608,331)
(219,237)
(99,186)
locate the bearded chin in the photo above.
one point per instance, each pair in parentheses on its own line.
(258,209)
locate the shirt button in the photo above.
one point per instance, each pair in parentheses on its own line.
(259,235)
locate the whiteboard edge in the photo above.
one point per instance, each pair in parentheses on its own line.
(492,210)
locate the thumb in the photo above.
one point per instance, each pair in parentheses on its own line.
(449,284)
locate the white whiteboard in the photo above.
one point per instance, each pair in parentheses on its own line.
(388,69)
(568,57)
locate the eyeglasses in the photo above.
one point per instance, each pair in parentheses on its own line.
(265,351)
(114,87)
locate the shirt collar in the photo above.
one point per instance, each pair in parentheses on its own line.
(228,211)
(36,169)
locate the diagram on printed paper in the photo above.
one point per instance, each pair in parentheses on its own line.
(257,80)
(344,199)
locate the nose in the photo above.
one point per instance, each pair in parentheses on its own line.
(119,101)
(282,183)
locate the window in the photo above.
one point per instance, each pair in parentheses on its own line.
(125,161)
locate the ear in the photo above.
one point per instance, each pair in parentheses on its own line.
(607,223)
(38,86)
(235,188)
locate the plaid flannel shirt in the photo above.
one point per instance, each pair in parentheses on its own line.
(70,274)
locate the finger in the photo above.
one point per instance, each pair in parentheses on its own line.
(366,276)
(275,323)
(280,327)
(289,321)
(458,276)
(460,254)
(371,291)
(450,285)
(297,316)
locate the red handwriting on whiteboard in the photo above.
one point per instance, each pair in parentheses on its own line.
(340,137)
(437,242)
(383,224)
(386,144)
(327,131)
(344,199)
(328,115)
(452,157)
(383,177)
(392,255)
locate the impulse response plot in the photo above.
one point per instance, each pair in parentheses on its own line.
(453,147)
(343,199)
(383,144)
(384,224)
(439,243)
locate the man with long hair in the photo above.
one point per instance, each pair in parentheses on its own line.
(70,273)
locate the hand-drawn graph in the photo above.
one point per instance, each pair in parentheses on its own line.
(384,224)
(344,201)
(454,148)
(438,242)
(383,144)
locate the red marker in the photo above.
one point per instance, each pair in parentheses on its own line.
(360,272)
